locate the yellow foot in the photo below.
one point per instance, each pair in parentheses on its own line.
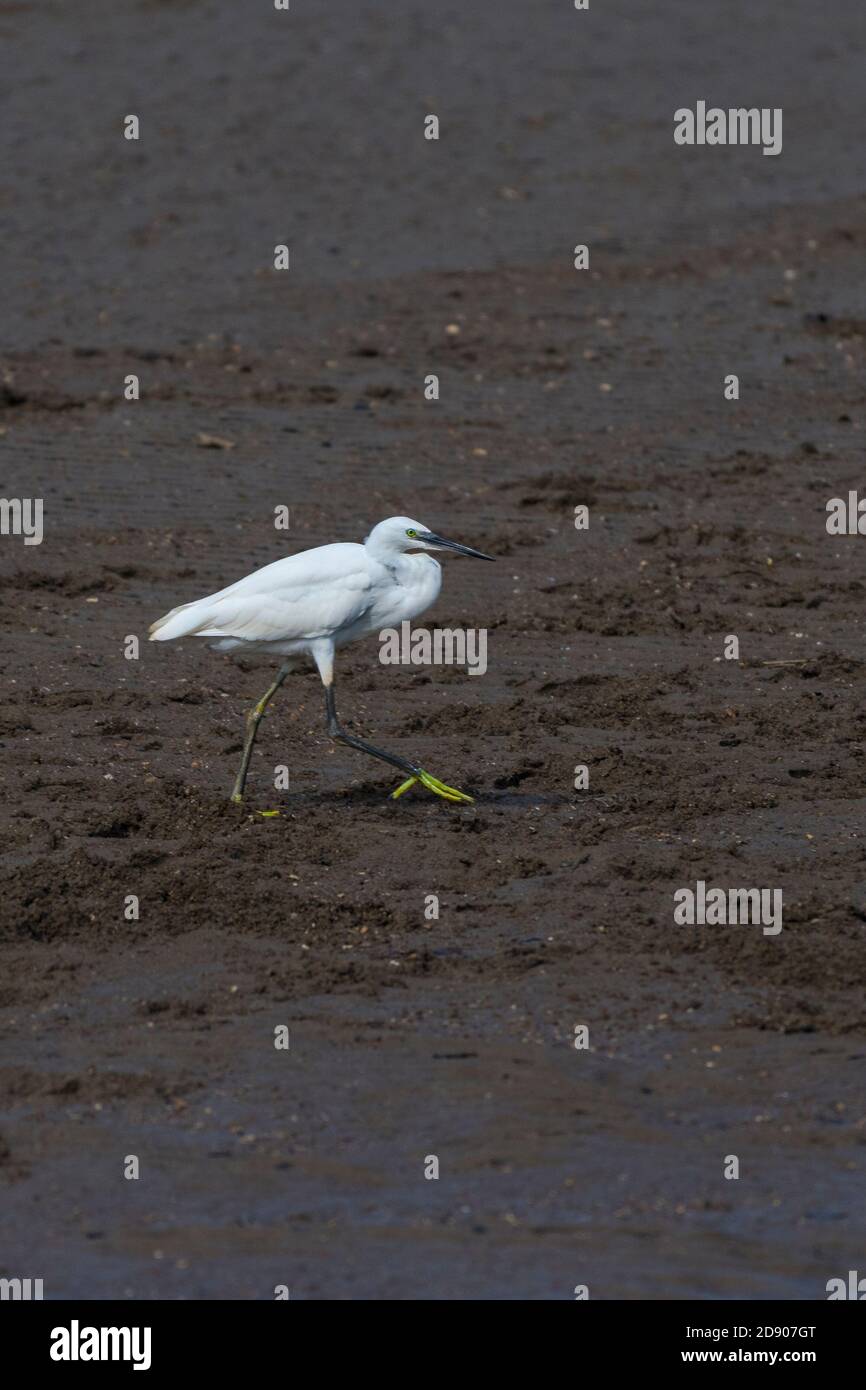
(433,785)
(237,798)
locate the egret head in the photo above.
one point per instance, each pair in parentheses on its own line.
(401,533)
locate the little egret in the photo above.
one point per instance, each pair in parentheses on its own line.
(312,603)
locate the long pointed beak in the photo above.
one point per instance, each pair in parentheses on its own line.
(430,538)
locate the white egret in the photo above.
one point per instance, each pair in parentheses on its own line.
(309,604)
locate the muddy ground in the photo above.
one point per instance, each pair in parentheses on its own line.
(453,1037)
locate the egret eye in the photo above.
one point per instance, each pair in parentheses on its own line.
(411,534)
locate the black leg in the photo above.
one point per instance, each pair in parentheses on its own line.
(349,739)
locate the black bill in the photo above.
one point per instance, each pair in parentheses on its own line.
(430,538)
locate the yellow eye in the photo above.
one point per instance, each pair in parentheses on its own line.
(411,533)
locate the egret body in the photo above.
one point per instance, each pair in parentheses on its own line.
(308,605)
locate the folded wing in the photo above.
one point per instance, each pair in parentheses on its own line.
(302,597)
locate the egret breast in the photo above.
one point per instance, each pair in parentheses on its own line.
(404,591)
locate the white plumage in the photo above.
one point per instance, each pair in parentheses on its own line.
(329,592)
(312,603)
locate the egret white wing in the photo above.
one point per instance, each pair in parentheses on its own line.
(288,615)
(298,598)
